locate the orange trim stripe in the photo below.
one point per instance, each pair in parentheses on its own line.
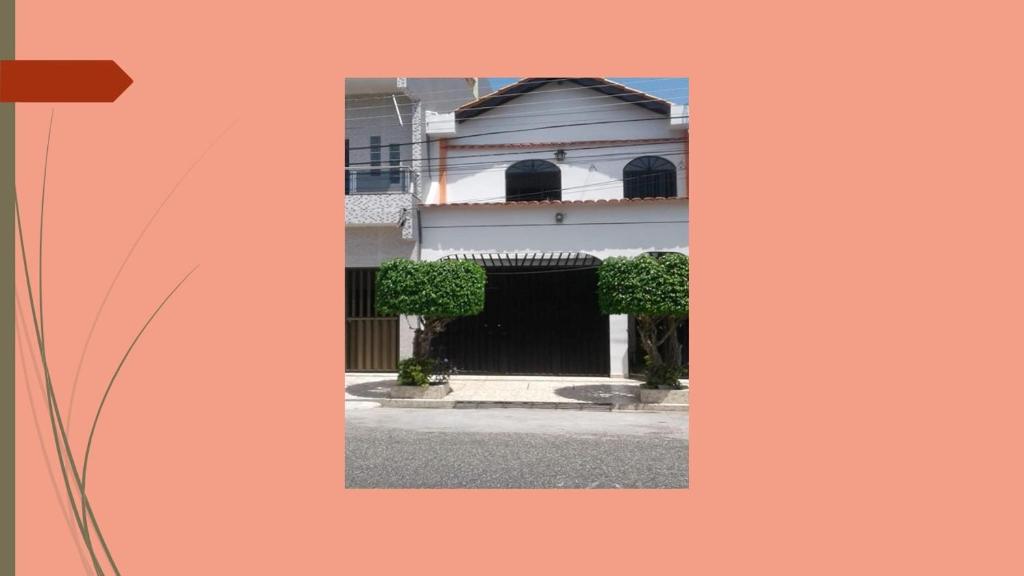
(686,167)
(443,173)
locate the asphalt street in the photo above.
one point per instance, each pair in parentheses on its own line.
(514,448)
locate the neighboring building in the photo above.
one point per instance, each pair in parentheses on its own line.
(385,176)
(539,182)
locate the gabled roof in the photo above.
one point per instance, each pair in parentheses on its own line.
(527,85)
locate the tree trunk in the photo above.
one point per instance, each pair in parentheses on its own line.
(424,335)
(417,344)
(647,328)
(675,356)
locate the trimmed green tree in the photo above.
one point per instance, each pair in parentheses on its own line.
(435,291)
(655,289)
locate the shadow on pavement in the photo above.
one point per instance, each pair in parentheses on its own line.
(600,393)
(375,389)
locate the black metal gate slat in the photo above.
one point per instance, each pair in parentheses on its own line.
(371,341)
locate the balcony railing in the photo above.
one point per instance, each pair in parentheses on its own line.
(378,179)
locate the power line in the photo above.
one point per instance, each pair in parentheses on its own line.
(579,188)
(552,112)
(461,167)
(497,158)
(548,127)
(445,78)
(538,151)
(539,196)
(477,167)
(611,183)
(438,92)
(414,103)
(354,125)
(468,168)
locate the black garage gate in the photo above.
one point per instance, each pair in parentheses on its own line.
(540,317)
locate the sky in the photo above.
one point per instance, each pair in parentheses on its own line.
(675,90)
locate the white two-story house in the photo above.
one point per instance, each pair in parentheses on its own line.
(539,182)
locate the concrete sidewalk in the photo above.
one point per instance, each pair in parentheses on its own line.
(511,392)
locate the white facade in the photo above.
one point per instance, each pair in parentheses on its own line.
(599,229)
(592,169)
(465,210)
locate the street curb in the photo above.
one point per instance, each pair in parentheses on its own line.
(638,407)
(415,403)
(361,404)
(484,404)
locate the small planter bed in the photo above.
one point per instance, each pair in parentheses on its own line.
(431,392)
(422,378)
(665,395)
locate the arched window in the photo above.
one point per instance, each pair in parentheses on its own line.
(649,177)
(533,180)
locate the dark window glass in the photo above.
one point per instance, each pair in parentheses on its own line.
(346,167)
(649,177)
(394,159)
(533,180)
(375,155)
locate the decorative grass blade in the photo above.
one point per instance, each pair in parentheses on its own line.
(127,257)
(103,401)
(82,508)
(23,341)
(60,438)
(42,210)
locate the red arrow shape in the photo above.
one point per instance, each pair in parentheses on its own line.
(61,81)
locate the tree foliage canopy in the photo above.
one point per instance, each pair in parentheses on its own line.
(647,285)
(437,289)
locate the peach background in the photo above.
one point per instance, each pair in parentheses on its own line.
(854,406)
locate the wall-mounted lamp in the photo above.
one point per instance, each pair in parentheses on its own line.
(559,155)
(559,217)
